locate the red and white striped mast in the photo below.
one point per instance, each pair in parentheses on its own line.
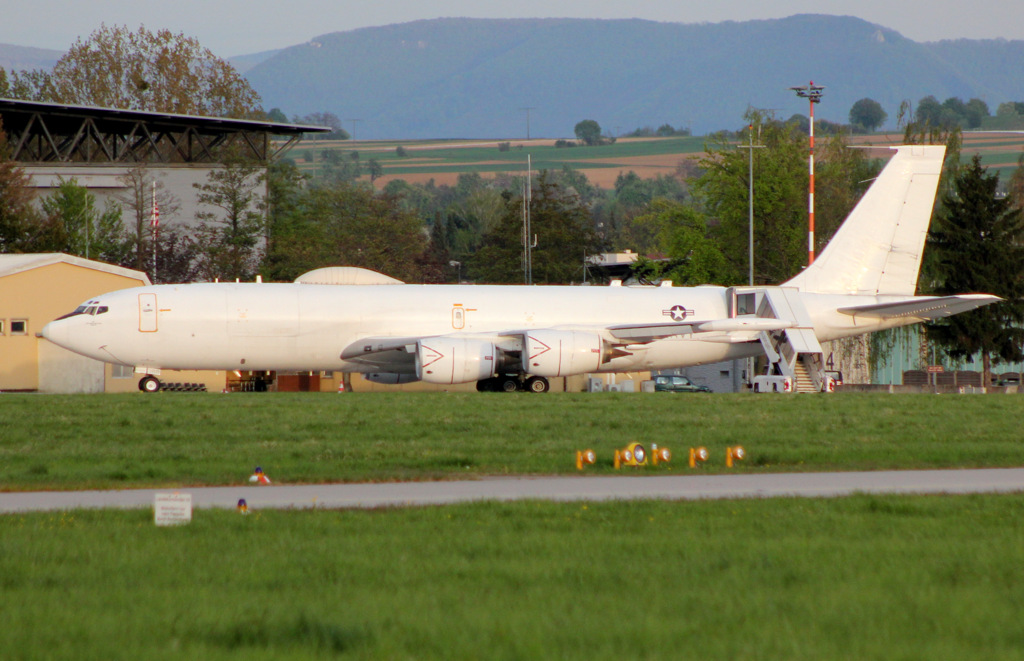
(814,93)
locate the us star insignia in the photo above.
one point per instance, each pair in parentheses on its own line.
(677,312)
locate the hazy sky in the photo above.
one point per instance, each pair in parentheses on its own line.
(237,27)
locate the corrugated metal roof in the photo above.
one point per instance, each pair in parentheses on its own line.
(11,264)
(119,116)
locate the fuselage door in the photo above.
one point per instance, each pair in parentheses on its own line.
(147,313)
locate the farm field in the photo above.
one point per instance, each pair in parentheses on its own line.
(443,161)
(200,439)
(863,577)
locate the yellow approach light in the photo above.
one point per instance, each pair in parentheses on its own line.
(698,456)
(633,454)
(585,458)
(736,453)
(660,455)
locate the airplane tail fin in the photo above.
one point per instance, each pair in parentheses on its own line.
(878,248)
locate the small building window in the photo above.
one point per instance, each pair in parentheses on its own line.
(19,326)
(122,371)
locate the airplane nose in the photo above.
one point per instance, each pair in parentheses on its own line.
(56,332)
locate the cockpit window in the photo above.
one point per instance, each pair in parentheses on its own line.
(79,310)
(90,308)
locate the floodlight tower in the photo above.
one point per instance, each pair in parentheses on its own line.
(813,93)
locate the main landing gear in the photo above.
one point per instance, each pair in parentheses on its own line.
(513,383)
(149,384)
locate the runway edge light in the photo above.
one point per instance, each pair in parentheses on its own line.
(698,456)
(259,477)
(735,453)
(585,458)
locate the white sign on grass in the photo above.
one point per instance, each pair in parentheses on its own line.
(172,509)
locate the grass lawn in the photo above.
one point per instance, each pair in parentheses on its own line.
(863,577)
(192,439)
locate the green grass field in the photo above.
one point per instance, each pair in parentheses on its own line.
(863,577)
(190,439)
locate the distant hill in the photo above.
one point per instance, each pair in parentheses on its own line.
(22,58)
(450,78)
(242,63)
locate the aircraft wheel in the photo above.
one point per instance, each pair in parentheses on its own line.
(537,384)
(509,384)
(485,385)
(149,384)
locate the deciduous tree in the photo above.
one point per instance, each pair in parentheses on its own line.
(88,232)
(153,71)
(564,236)
(868,113)
(693,257)
(780,196)
(588,132)
(228,240)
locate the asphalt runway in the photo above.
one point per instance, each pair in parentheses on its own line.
(574,488)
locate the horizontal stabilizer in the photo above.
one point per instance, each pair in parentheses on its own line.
(922,307)
(651,332)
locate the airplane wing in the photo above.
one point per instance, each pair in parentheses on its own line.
(640,333)
(396,354)
(930,307)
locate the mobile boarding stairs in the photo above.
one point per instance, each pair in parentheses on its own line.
(795,359)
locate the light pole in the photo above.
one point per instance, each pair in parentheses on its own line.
(750,201)
(813,93)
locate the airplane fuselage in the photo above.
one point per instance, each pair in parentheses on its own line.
(286,327)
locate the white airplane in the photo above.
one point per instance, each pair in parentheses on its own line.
(517,337)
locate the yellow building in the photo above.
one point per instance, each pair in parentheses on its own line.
(36,289)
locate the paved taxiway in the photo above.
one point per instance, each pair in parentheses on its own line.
(668,487)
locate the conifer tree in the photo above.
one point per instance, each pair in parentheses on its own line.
(977,244)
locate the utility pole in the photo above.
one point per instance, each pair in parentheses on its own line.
(813,93)
(353,127)
(528,109)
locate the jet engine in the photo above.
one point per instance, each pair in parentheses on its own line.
(561,353)
(450,360)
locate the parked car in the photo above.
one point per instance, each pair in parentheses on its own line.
(677,384)
(1008,379)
